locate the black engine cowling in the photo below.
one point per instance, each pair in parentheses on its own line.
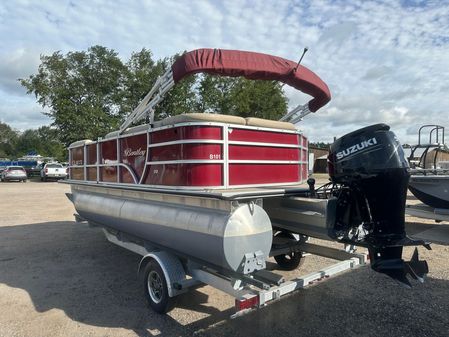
(370,167)
(371,163)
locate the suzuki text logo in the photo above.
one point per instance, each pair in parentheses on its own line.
(356,148)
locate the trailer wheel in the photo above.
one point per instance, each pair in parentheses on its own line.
(289,261)
(156,290)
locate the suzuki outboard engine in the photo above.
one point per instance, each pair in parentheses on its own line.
(371,172)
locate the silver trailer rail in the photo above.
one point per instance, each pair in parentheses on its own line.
(427,212)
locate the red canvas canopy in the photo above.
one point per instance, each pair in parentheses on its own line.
(254,66)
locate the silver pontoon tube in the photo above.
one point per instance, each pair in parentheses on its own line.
(231,236)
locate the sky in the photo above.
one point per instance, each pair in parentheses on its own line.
(384,61)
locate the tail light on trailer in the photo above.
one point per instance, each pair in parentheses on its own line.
(246,302)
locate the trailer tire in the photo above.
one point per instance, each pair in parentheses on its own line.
(289,261)
(156,289)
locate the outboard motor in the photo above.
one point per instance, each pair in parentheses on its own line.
(369,167)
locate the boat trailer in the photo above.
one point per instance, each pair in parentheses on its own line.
(182,274)
(207,199)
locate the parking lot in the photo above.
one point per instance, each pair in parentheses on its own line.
(62,278)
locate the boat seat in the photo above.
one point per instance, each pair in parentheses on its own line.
(136,129)
(113,134)
(81,143)
(267,123)
(200,117)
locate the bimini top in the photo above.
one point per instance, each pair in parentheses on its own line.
(253,66)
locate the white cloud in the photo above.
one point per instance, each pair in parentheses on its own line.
(384,61)
(19,63)
(22,113)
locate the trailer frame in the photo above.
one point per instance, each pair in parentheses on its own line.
(253,291)
(427,212)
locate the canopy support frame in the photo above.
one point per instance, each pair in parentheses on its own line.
(146,106)
(297,114)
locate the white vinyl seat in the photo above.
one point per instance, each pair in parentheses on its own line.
(267,123)
(81,143)
(136,129)
(200,117)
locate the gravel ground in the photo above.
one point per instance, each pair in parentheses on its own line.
(60,278)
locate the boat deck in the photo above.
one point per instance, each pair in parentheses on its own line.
(222,194)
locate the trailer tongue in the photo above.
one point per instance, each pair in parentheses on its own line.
(212,196)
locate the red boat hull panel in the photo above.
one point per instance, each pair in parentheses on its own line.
(186,133)
(250,135)
(255,174)
(196,175)
(241,152)
(186,151)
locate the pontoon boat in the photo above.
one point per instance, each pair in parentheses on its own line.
(213,196)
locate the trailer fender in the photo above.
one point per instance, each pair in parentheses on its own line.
(171,266)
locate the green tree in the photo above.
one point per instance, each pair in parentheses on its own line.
(140,75)
(262,99)
(242,97)
(215,94)
(8,140)
(51,146)
(28,141)
(321,145)
(182,98)
(82,90)
(89,93)
(43,141)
